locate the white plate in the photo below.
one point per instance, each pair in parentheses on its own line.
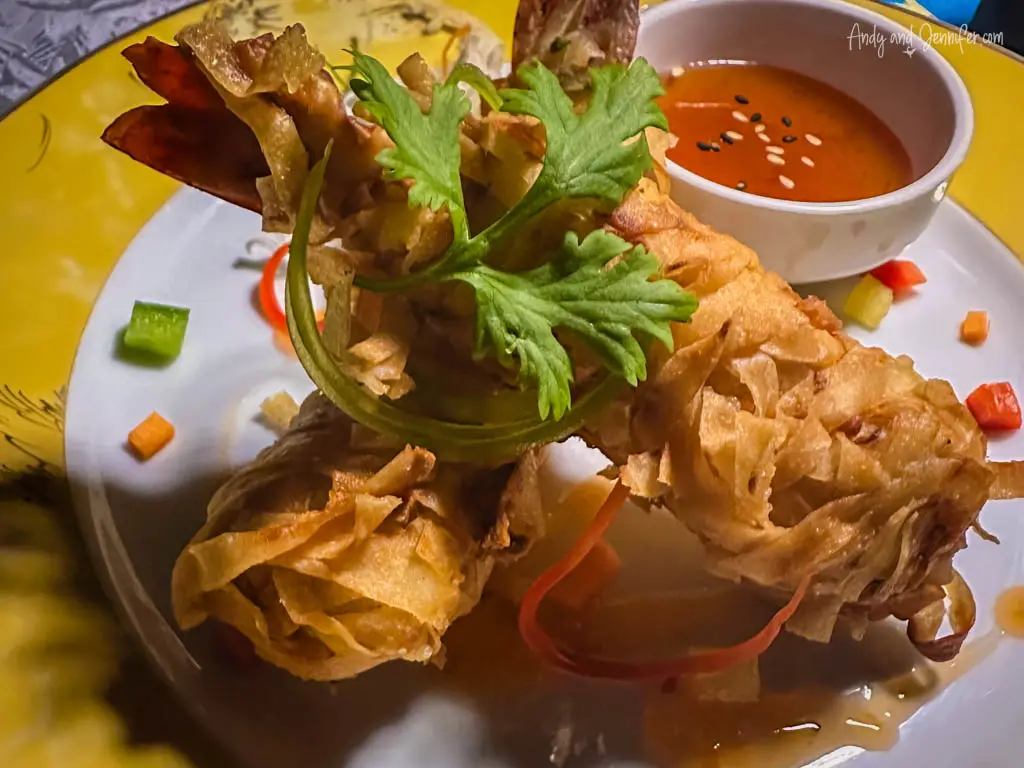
(139,516)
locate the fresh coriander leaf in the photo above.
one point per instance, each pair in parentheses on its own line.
(600,289)
(518,325)
(586,155)
(492,443)
(426,145)
(603,305)
(473,76)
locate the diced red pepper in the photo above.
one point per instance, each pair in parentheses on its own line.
(995,407)
(272,310)
(899,276)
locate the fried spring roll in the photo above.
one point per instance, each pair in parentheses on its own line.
(332,557)
(790,449)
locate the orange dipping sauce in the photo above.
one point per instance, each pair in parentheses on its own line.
(778,133)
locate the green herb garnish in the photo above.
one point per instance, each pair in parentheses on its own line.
(601,305)
(494,443)
(472,75)
(587,156)
(426,147)
(602,291)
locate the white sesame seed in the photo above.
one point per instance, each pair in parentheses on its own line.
(765,138)
(775,150)
(735,136)
(740,116)
(760,128)
(787,182)
(677,71)
(807,161)
(775,160)
(814,140)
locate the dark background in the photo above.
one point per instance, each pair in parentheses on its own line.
(1006,16)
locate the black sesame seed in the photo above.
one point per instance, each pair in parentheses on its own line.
(756,117)
(789,139)
(787,122)
(716,147)
(742,99)
(726,138)
(703,147)
(741,186)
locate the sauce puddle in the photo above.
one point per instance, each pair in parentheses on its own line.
(812,725)
(1010,612)
(809,704)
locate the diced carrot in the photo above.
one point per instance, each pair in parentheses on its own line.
(899,276)
(974,328)
(150,437)
(995,407)
(590,578)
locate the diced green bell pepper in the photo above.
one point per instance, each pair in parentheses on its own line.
(157,329)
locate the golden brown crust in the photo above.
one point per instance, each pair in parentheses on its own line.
(570,35)
(788,448)
(334,554)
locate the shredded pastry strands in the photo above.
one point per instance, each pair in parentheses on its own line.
(333,554)
(924,626)
(787,447)
(806,463)
(1009,480)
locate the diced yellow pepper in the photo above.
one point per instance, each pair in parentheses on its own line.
(868,302)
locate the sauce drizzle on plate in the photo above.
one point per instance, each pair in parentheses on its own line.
(778,133)
(1010,611)
(808,702)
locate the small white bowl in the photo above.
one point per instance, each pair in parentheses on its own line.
(919,96)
